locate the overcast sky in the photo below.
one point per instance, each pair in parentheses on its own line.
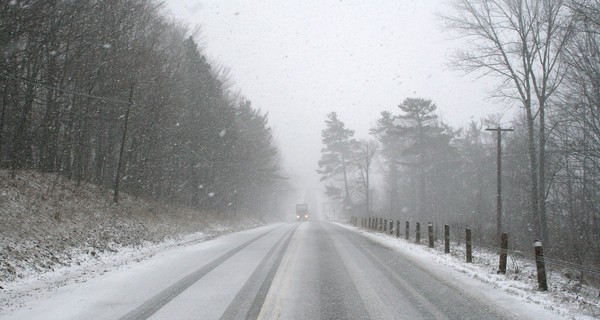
(299,60)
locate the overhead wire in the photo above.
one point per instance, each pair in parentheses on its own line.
(44,85)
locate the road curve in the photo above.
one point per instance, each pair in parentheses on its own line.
(304,270)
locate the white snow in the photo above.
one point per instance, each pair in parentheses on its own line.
(516,291)
(111,287)
(54,232)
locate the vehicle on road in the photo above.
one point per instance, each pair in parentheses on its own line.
(301,212)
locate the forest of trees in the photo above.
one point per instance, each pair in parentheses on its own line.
(118,94)
(546,55)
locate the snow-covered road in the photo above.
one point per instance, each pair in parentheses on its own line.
(309,270)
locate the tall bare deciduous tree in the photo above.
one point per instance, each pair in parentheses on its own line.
(521,42)
(364,157)
(577,137)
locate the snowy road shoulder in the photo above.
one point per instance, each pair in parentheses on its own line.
(34,287)
(517,293)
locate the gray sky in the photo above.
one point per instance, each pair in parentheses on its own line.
(299,60)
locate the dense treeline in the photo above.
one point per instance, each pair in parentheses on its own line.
(118,94)
(551,166)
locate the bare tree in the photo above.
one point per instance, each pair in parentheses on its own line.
(519,41)
(364,159)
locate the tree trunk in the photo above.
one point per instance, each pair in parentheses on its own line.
(533,166)
(20,155)
(2,115)
(348,200)
(542,175)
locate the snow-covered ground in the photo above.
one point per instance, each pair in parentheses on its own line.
(567,298)
(53,232)
(516,291)
(34,284)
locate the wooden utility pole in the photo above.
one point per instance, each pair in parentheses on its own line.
(121,151)
(499,181)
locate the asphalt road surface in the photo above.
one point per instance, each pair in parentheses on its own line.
(302,270)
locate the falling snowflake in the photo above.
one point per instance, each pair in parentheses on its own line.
(222,134)
(212,194)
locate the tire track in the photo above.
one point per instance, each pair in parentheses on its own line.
(417,298)
(259,283)
(153,304)
(338,294)
(430,293)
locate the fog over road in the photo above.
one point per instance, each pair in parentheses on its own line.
(304,270)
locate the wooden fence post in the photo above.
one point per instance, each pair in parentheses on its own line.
(384,225)
(391,227)
(397,228)
(469,248)
(418,233)
(541,265)
(446,238)
(430,231)
(407,230)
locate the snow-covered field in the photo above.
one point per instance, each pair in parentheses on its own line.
(567,297)
(53,232)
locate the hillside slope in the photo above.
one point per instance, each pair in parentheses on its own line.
(47,221)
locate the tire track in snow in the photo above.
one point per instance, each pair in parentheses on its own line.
(425,293)
(259,283)
(153,304)
(339,298)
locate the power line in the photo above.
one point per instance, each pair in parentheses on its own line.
(40,84)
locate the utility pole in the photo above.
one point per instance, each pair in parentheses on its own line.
(499,181)
(121,151)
